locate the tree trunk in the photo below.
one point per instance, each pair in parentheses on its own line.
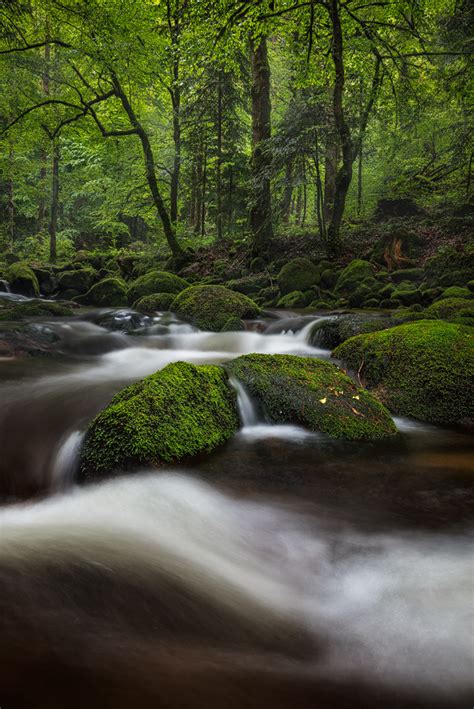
(203,190)
(331,160)
(287,192)
(219,159)
(43,152)
(11,198)
(176,100)
(260,217)
(53,223)
(150,171)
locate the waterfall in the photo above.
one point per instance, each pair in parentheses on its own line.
(247,411)
(4,286)
(67,458)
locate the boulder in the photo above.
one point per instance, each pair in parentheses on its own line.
(210,307)
(150,304)
(16,311)
(313,393)
(298,275)
(295,299)
(76,281)
(353,275)
(423,369)
(107,293)
(22,279)
(175,414)
(155,282)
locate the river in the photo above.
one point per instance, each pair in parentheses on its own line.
(285,570)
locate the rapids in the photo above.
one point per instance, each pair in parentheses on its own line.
(285,570)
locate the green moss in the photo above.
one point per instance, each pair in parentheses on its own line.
(328,278)
(423,369)
(22,279)
(176,413)
(407,274)
(233,325)
(249,285)
(450,267)
(210,307)
(298,275)
(78,280)
(352,275)
(407,294)
(314,393)
(33,309)
(450,307)
(296,299)
(109,292)
(151,303)
(456,292)
(155,282)
(470,285)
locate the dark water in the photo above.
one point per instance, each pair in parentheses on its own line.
(285,570)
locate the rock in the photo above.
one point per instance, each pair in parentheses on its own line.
(176,413)
(109,292)
(407,294)
(328,278)
(353,275)
(16,311)
(28,341)
(455,292)
(22,279)
(234,325)
(423,369)
(398,248)
(76,281)
(313,393)
(449,267)
(250,285)
(210,307)
(150,304)
(155,282)
(298,275)
(332,331)
(408,274)
(296,299)
(460,309)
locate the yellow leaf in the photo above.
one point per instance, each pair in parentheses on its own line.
(323,401)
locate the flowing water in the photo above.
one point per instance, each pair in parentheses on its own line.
(285,570)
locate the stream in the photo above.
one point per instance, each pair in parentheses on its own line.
(286,569)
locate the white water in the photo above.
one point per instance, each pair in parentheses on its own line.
(396,607)
(247,410)
(67,459)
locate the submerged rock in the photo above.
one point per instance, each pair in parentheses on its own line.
(155,282)
(423,369)
(313,393)
(174,414)
(210,307)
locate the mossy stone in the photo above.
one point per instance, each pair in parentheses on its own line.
(109,292)
(455,292)
(149,304)
(33,309)
(313,393)
(423,369)
(298,275)
(233,325)
(155,282)
(352,275)
(408,274)
(328,278)
(210,307)
(22,279)
(448,308)
(176,413)
(296,299)
(77,280)
(249,285)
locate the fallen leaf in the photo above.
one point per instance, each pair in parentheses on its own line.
(323,401)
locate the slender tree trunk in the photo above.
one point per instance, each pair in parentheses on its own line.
(230,205)
(359,181)
(53,223)
(287,192)
(219,159)
(261,209)
(331,161)
(198,212)
(174,192)
(11,198)
(204,187)
(45,84)
(319,193)
(150,171)
(469,176)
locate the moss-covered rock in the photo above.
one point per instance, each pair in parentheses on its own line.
(407,294)
(109,292)
(249,285)
(455,292)
(22,279)
(155,282)
(332,331)
(298,275)
(423,369)
(149,304)
(408,274)
(210,307)
(448,308)
(328,278)
(296,299)
(76,281)
(313,393)
(233,325)
(174,414)
(353,275)
(450,267)
(16,311)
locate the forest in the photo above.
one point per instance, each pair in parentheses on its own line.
(236,354)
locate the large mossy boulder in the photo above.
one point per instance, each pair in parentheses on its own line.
(176,413)
(423,369)
(155,282)
(22,279)
(76,281)
(352,276)
(313,393)
(210,307)
(449,308)
(250,285)
(109,292)
(295,299)
(300,274)
(150,304)
(450,267)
